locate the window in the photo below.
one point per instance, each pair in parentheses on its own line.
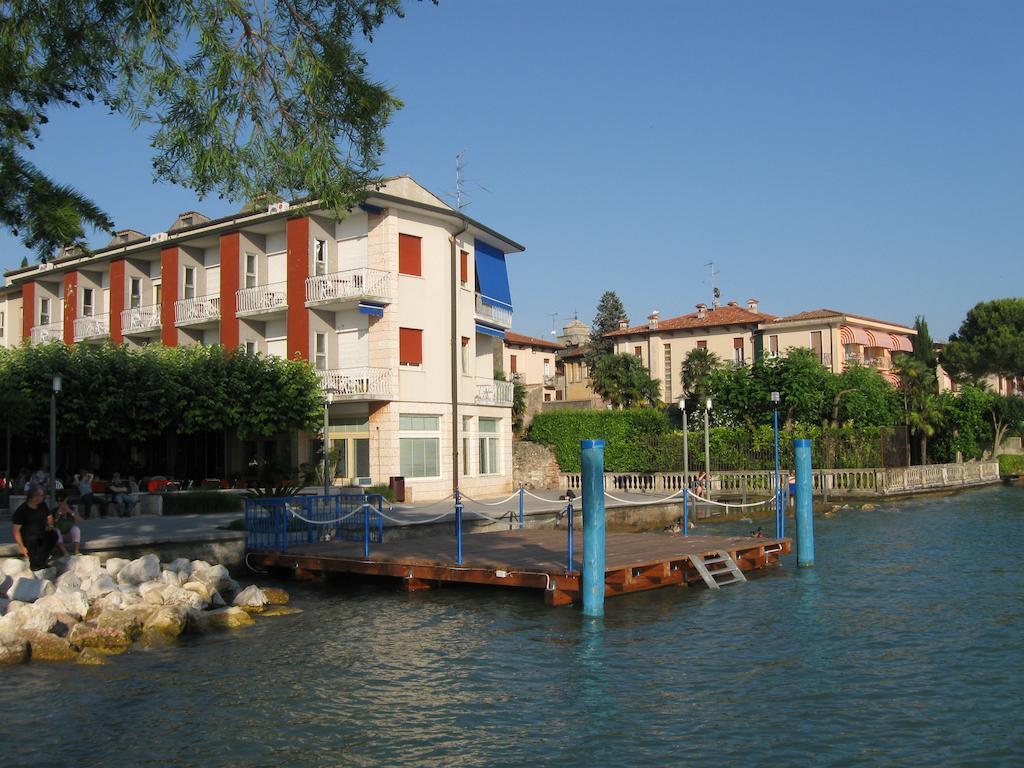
(134,293)
(44,311)
(488,444)
(2,326)
(638,351)
(513,364)
(465,354)
(88,297)
(547,366)
(463,267)
(702,344)
(547,397)
(773,345)
(250,270)
(250,347)
(816,344)
(467,428)
(189,289)
(410,346)
(320,353)
(319,257)
(737,349)
(158,294)
(409,260)
(558,394)
(668,374)
(419,445)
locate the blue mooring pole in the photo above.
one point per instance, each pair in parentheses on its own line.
(366,528)
(458,527)
(686,511)
(804,504)
(568,537)
(522,495)
(593,527)
(779,509)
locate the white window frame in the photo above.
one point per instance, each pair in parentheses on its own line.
(320,358)
(466,351)
(319,257)
(251,270)
(134,293)
(88,302)
(488,447)
(250,348)
(547,366)
(419,433)
(668,374)
(3,325)
(44,311)
(467,443)
(188,283)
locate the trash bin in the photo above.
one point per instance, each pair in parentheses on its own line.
(397,486)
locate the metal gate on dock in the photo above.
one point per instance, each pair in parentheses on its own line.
(271,524)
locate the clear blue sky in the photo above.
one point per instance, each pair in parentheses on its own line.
(866,156)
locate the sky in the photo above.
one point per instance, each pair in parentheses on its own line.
(863,156)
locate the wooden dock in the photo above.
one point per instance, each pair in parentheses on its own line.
(530,558)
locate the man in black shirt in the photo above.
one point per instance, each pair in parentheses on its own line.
(33,528)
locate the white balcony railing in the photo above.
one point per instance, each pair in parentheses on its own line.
(41,334)
(140,319)
(201,309)
(93,327)
(262,298)
(358,383)
(496,315)
(489,392)
(350,284)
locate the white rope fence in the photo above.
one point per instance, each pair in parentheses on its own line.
(702,500)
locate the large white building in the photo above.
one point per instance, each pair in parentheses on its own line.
(401,306)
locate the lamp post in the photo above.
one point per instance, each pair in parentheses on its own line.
(707,446)
(686,445)
(328,391)
(54,391)
(778,486)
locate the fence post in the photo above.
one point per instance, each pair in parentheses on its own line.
(458,528)
(686,512)
(593,528)
(743,485)
(522,497)
(380,519)
(366,528)
(568,535)
(310,516)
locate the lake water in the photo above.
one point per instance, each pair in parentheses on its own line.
(903,646)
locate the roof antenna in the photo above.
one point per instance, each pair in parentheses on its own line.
(715,293)
(461,201)
(554,317)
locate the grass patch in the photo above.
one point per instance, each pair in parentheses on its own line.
(1011,465)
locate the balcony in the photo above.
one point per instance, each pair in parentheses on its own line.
(853,359)
(826,359)
(93,328)
(268,299)
(349,286)
(198,311)
(140,320)
(358,384)
(490,392)
(881,363)
(554,382)
(42,334)
(493,315)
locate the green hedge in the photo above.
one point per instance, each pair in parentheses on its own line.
(201,502)
(1011,465)
(627,435)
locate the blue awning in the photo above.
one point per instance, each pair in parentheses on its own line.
(486,329)
(370,208)
(492,276)
(371,309)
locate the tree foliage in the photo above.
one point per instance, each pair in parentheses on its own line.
(623,381)
(245,98)
(924,347)
(609,311)
(696,371)
(627,435)
(990,341)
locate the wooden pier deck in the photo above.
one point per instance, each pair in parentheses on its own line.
(530,558)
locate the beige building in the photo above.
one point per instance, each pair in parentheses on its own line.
(533,362)
(396,305)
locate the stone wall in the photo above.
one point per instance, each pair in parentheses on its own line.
(533,466)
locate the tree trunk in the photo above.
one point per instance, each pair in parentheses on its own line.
(924,447)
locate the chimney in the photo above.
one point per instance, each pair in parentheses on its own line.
(652,320)
(752,305)
(702,311)
(733,304)
(623,323)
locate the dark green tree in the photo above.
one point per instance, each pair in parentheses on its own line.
(805,385)
(624,382)
(609,311)
(696,374)
(924,347)
(990,341)
(1007,414)
(244,99)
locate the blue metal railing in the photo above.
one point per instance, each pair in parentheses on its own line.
(274,524)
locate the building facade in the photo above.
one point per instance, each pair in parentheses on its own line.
(401,307)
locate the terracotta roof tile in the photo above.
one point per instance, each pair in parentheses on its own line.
(511,337)
(712,318)
(825,314)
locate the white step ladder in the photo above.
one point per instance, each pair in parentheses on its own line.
(722,565)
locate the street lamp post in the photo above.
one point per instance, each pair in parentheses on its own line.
(707,447)
(686,445)
(328,391)
(54,391)
(778,486)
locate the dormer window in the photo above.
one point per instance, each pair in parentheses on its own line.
(186,221)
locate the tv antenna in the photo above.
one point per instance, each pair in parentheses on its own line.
(715,293)
(554,317)
(462,185)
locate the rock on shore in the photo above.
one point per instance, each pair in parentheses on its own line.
(85,610)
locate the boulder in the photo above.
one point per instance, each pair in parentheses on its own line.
(13,649)
(14,567)
(86,566)
(13,621)
(28,590)
(171,578)
(68,580)
(216,577)
(121,620)
(115,564)
(146,568)
(181,566)
(100,585)
(231,588)
(218,619)
(216,601)
(91,657)
(41,619)
(65,621)
(198,565)
(47,647)
(152,592)
(275,596)
(75,603)
(280,610)
(179,596)
(6,582)
(3,605)
(110,600)
(251,599)
(46,574)
(102,639)
(201,590)
(165,624)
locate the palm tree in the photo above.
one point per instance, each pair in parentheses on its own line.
(926,419)
(697,367)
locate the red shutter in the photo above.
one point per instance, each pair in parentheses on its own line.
(638,351)
(737,342)
(512,364)
(409,258)
(464,267)
(702,345)
(410,346)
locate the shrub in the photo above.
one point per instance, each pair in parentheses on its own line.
(627,435)
(201,502)
(1011,465)
(380,490)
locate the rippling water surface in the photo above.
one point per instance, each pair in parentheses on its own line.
(903,646)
